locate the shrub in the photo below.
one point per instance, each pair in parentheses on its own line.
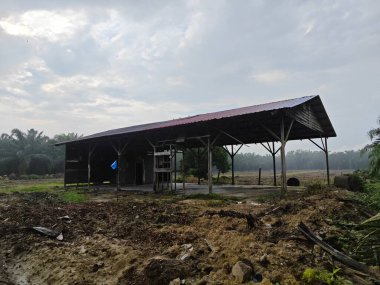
(353,182)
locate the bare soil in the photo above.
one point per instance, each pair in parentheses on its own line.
(114,242)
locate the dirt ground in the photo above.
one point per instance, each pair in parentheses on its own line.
(144,239)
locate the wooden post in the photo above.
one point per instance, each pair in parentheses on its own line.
(154,170)
(198,166)
(274,165)
(327,162)
(89,167)
(183,170)
(118,171)
(260,176)
(232,165)
(171,168)
(175,169)
(64,168)
(283,163)
(209,152)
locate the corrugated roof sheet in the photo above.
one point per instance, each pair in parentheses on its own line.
(204,117)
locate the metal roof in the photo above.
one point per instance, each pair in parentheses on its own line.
(221,116)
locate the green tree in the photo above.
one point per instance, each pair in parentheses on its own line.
(220,161)
(57,153)
(19,148)
(374,150)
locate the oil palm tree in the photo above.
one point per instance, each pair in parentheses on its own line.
(18,148)
(374,151)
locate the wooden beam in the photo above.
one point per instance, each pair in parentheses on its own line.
(288,132)
(283,162)
(270,132)
(327,163)
(335,253)
(209,151)
(64,168)
(232,137)
(321,148)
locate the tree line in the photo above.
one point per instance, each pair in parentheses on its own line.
(303,160)
(32,152)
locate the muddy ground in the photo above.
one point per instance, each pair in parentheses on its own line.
(114,242)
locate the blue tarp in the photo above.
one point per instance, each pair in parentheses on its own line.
(114,165)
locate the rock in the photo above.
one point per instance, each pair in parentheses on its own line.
(82,250)
(203,281)
(161,270)
(97,266)
(264,259)
(176,281)
(242,271)
(266,281)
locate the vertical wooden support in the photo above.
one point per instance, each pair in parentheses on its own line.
(232,154)
(209,154)
(118,171)
(327,162)
(64,168)
(198,166)
(232,165)
(119,151)
(175,169)
(171,169)
(260,176)
(183,170)
(283,162)
(274,165)
(90,151)
(273,152)
(324,148)
(154,170)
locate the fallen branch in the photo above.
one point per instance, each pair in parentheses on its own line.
(335,253)
(251,221)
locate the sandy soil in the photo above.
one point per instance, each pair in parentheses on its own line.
(113,242)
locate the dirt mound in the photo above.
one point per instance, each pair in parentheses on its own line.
(161,271)
(115,242)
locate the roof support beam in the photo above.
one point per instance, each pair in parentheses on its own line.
(272,150)
(232,137)
(326,152)
(232,154)
(119,149)
(91,149)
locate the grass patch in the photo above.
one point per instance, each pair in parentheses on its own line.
(216,203)
(27,188)
(212,196)
(371,195)
(72,197)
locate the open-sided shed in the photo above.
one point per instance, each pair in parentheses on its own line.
(145,154)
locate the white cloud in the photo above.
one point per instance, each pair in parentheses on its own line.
(193,30)
(271,77)
(308,27)
(49,25)
(107,32)
(175,81)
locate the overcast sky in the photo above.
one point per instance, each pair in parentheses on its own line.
(90,66)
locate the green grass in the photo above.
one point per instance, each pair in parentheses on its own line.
(72,197)
(371,195)
(29,187)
